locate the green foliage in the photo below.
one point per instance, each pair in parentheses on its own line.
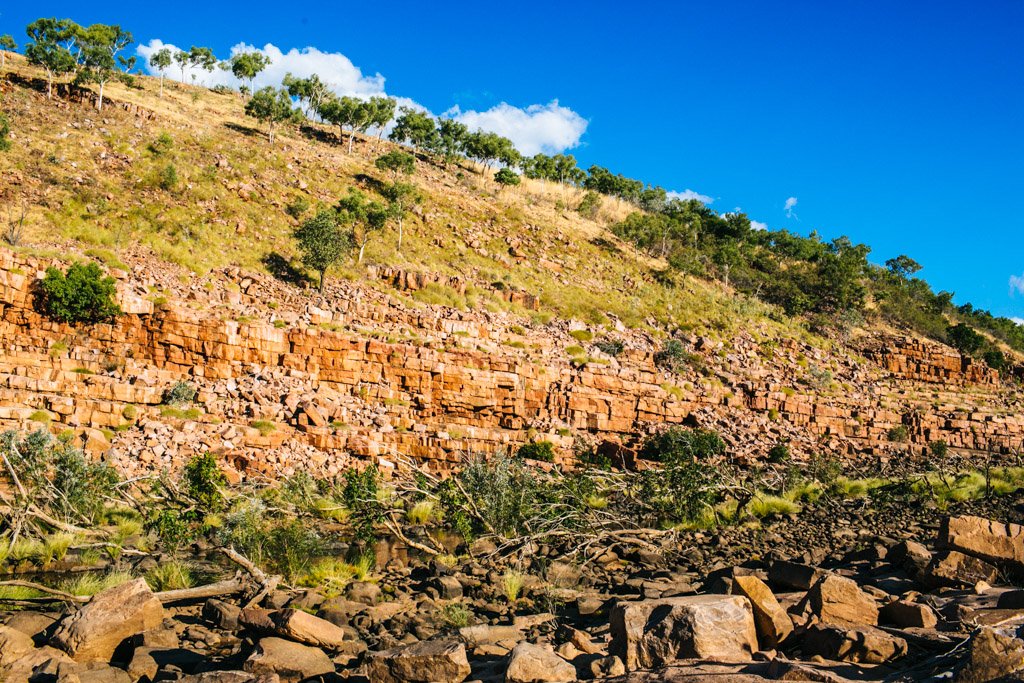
(362,493)
(82,295)
(673,356)
(181,393)
(898,434)
(612,347)
(995,359)
(323,243)
(488,148)
(779,453)
(589,205)
(271,106)
(506,177)
(163,144)
(167,177)
(455,615)
(48,48)
(964,338)
(291,549)
(204,482)
(170,575)
(5,131)
(678,444)
(537,450)
(246,65)
(396,162)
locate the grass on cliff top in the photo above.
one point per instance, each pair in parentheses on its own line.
(200,186)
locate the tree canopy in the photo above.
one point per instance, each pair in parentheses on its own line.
(270,105)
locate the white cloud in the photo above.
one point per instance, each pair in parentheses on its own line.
(335,69)
(758,225)
(549,128)
(790,205)
(1019,321)
(689,194)
(1017,284)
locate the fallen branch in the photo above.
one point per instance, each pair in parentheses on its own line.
(45,589)
(211,590)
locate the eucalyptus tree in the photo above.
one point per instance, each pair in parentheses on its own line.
(7,44)
(365,217)
(346,111)
(52,48)
(401,197)
(311,91)
(197,58)
(382,112)
(415,127)
(322,240)
(181,58)
(506,177)
(396,162)
(270,105)
(100,45)
(161,61)
(247,65)
(451,139)
(487,148)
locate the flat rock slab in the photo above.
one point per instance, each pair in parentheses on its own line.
(528,663)
(428,661)
(291,662)
(654,633)
(991,541)
(863,644)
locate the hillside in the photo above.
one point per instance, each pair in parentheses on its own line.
(479,336)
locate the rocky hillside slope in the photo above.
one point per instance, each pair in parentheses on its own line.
(480,336)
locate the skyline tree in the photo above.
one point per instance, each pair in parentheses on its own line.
(247,65)
(161,61)
(415,127)
(7,44)
(52,48)
(100,45)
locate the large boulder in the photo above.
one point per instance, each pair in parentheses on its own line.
(13,646)
(838,600)
(991,656)
(794,575)
(908,614)
(991,541)
(303,627)
(772,622)
(863,644)
(94,631)
(652,633)
(954,568)
(428,661)
(528,663)
(292,662)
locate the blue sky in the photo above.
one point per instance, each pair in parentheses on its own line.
(898,124)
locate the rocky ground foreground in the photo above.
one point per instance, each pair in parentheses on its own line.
(847,595)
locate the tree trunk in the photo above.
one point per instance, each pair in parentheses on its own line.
(271,132)
(99,102)
(351,138)
(161,84)
(400,220)
(362,247)
(49,85)
(323,276)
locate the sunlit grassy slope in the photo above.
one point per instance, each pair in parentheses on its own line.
(196,182)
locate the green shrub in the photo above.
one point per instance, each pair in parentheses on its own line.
(589,205)
(291,549)
(672,357)
(264,427)
(204,482)
(612,347)
(163,144)
(898,434)
(779,453)
(167,178)
(995,359)
(181,393)
(678,444)
(5,131)
(582,335)
(82,295)
(170,575)
(537,450)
